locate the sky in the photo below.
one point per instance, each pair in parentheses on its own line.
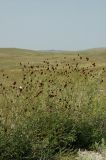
(53,24)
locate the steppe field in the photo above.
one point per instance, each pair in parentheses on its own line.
(52,103)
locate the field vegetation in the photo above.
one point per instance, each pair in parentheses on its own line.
(51,104)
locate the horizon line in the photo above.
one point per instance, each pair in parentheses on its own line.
(54,50)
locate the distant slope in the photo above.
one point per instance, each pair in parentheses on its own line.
(101,51)
(15,51)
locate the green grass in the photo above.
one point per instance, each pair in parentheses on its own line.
(59,108)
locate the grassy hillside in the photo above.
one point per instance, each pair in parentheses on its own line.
(11,57)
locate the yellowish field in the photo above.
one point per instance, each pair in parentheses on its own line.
(11,58)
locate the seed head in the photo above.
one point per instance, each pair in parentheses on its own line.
(94,64)
(87,58)
(14,83)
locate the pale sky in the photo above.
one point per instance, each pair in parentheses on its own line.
(53,24)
